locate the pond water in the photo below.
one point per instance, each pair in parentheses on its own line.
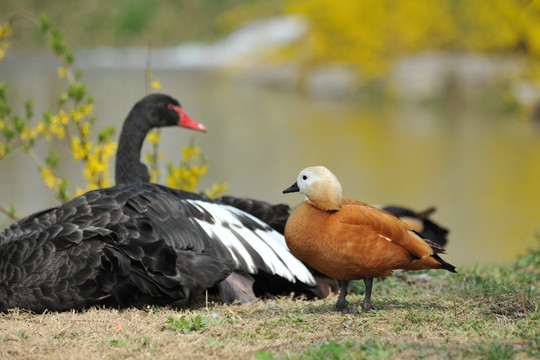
(481,171)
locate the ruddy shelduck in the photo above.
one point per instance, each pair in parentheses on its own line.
(351,240)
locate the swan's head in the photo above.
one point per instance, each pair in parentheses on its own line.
(159,110)
(321,187)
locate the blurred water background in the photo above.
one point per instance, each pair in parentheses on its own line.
(438,133)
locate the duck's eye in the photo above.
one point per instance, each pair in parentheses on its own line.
(304,177)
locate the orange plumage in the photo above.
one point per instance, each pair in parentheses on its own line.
(348,239)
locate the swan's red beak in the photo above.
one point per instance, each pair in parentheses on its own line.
(185,120)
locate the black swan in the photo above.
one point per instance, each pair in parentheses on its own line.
(136,244)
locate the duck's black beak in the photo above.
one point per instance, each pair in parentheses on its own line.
(293,188)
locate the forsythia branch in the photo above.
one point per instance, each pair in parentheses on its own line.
(72,125)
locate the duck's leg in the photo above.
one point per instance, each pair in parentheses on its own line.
(366,305)
(341,304)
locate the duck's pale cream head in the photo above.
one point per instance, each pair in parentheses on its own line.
(321,187)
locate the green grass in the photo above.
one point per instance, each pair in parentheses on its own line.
(186,324)
(489,312)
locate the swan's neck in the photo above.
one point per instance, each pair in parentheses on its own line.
(128,168)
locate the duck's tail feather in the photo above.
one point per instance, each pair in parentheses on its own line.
(445,265)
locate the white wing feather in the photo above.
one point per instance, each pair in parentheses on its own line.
(268,243)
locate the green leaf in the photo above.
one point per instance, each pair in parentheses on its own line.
(68,55)
(8,132)
(21,335)
(187,325)
(45,22)
(112,341)
(3,96)
(47,117)
(105,134)
(64,97)
(56,42)
(62,193)
(78,75)
(27,145)
(29,106)
(263,355)
(52,160)
(77,91)
(18,123)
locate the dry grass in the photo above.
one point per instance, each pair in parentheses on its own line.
(233,332)
(488,313)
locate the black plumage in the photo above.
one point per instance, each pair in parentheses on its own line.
(109,247)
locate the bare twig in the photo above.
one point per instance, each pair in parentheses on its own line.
(8,213)
(523,304)
(35,157)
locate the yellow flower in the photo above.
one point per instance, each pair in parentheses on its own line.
(57,130)
(85,129)
(154,137)
(2,124)
(62,72)
(40,127)
(171,182)
(27,133)
(2,150)
(5,30)
(94,165)
(109,149)
(149,158)
(216,190)
(76,148)
(190,152)
(49,178)
(197,171)
(87,109)
(64,118)
(92,185)
(106,182)
(155,174)
(76,115)
(87,174)
(156,85)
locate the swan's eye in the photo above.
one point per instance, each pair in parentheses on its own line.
(304,177)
